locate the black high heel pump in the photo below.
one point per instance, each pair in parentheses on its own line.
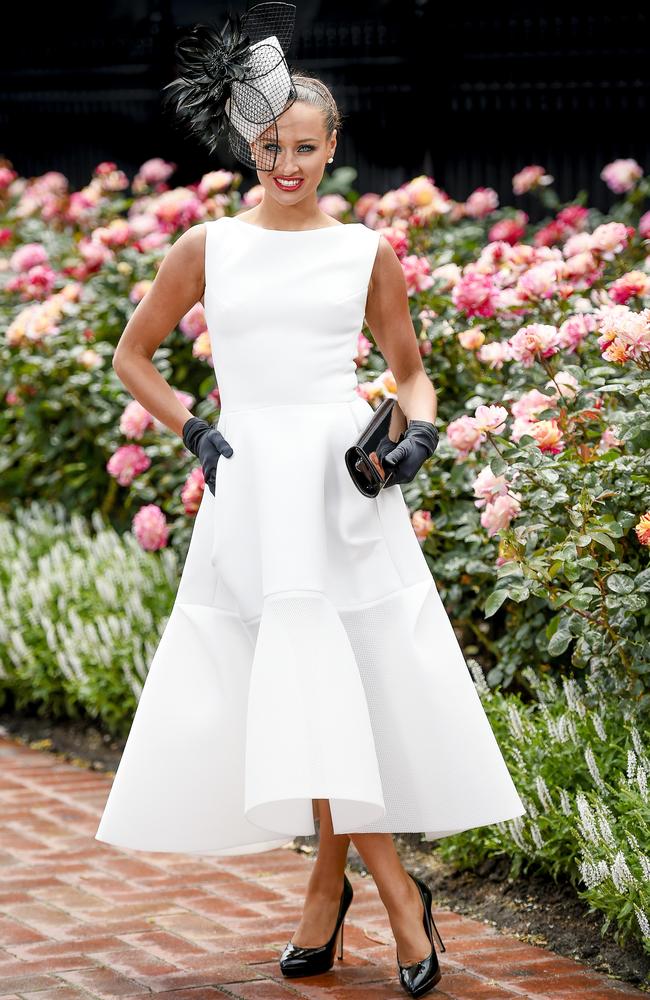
(297,961)
(420,977)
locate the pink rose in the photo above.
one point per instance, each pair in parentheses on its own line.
(575,329)
(397,238)
(94,253)
(481,202)
(471,340)
(417,272)
(530,404)
(621,175)
(193,323)
(581,265)
(475,295)
(363,349)
(448,274)
(192,491)
(497,516)
(185,398)
(509,230)
(335,205)
(534,341)
(420,191)
(490,419)
(150,527)
(202,348)
(140,289)
(215,182)
(610,238)
(7,176)
(422,525)
(609,439)
(530,177)
(566,382)
(540,281)
(365,205)
(253,196)
(487,487)
(642,529)
(548,436)
(644,226)
(494,354)
(155,171)
(634,283)
(89,359)
(27,256)
(574,216)
(135,420)
(464,435)
(127,463)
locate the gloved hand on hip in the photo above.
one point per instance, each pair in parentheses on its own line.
(405,457)
(208,444)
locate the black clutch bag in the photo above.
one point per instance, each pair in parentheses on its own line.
(364,473)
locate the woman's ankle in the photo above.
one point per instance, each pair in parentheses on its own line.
(399,894)
(326,881)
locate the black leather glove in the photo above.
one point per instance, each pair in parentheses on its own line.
(404,458)
(207,443)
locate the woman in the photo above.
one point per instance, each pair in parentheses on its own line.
(308,674)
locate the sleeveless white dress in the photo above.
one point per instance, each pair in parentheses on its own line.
(308,653)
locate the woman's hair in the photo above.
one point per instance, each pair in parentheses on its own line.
(311,90)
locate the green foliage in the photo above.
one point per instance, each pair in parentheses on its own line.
(80,615)
(578,758)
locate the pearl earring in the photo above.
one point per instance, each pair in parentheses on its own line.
(331,159)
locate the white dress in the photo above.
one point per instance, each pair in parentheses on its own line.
(308,653)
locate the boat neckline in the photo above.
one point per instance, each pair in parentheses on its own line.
(252,225)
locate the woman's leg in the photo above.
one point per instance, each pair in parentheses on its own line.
(397,890)
(325,882)
(398,893)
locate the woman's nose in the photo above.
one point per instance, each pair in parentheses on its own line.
(288,165)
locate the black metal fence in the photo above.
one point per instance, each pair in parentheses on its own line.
(466,97)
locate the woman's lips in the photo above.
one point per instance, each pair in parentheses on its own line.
(292,187)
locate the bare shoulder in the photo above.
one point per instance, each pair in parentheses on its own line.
(386,263)
(186,257)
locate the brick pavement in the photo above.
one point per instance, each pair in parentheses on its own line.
(81,919)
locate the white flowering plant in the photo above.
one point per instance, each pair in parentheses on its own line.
(81,609)
(579,759)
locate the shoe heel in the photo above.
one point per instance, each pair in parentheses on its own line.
(435,929)
(340,951)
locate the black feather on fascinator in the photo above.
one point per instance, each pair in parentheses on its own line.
(235,80)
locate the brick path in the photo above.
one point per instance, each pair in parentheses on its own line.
(80,919)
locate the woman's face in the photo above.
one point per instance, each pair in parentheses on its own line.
(303,150)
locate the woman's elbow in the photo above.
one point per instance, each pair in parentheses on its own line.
(121,360)
(117,361)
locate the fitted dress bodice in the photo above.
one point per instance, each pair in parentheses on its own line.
(284,311)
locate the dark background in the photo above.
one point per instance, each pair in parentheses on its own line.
(466,96)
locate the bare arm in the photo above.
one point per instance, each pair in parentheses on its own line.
(388,317)
(178,285)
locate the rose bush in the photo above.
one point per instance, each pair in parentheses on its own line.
(534,513)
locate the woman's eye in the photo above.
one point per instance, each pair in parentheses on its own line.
(272,145)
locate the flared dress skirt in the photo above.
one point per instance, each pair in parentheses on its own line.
(307,654)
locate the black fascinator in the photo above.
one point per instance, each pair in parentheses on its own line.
(235,81)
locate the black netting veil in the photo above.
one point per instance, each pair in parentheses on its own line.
(234,81)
